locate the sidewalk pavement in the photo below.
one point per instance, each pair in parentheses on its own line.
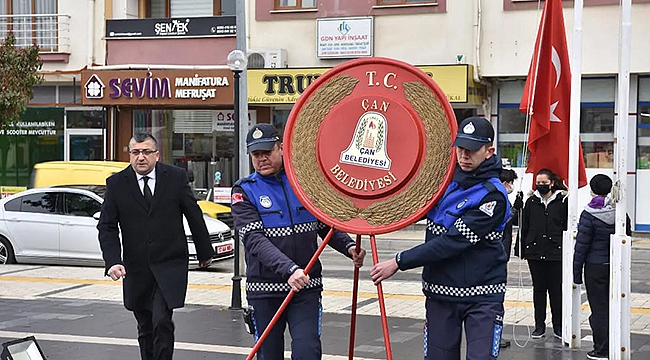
(403,299)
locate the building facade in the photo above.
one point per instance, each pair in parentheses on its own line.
(496,40)
(55,126)
(479,52)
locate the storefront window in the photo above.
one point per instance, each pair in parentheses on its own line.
(160,124)
(511,120)
(191,140)
(85,119)
(596,122)
(643,124)
(280,117)
(37,137)
(56,94)
(69,95)
(513,154)
(598,154)
(44,95)
(181,8)
(597,117)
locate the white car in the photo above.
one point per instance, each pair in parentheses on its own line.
(58,225)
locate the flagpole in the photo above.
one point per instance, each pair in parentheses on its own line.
(620,248)
(531,94)
(571,299)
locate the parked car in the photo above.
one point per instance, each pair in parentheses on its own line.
(65,173)
(58,225)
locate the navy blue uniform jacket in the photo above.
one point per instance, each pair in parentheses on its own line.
(463,255)
(279,235)
(595,227)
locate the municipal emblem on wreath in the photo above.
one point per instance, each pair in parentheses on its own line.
(257,133)
(368,146)
(469,128)
(265,201)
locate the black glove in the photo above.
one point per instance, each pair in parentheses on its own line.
(519,201)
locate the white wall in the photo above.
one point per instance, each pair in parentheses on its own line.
(125,9)
(509,39)
(78,10)
(417,39)
(507,45)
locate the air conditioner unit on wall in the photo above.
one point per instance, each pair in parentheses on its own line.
(267,58)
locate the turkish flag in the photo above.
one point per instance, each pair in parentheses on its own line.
(547,98)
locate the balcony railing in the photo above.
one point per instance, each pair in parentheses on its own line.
(51,32)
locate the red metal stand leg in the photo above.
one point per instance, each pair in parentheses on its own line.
(382,305)
(355,292)
(290,295)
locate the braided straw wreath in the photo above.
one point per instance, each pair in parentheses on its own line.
(384,210)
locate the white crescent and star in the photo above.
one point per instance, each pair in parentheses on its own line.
(557,64)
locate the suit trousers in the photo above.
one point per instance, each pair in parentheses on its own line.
(155,328)
(597,284)
(443,329)
(547,278)
(303,314)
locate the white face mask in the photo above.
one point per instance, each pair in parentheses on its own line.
(508,187)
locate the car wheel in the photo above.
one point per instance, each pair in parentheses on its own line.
(6,252)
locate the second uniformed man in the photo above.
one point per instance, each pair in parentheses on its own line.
(464,276)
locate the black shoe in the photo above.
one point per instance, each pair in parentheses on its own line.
(593,355)
(538,333)
(557,333)
(504,343)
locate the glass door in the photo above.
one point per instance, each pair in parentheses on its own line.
(87,144)
(84,133)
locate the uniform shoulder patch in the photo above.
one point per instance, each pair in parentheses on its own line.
(265,201)
(488,208)
(236,197)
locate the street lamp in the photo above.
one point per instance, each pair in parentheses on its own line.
(237,63)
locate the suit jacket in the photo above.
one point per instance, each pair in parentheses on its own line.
(154,246)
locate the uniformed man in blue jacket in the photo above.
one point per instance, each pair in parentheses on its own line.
(280,237)
(464,275)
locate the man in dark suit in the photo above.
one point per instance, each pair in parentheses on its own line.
(148,200)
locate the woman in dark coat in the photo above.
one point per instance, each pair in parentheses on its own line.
(544,218)
(592,251)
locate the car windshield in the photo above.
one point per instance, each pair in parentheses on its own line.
(97,189)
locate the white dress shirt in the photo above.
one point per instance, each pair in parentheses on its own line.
(151,182)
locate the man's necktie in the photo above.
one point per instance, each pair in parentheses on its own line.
(147,191)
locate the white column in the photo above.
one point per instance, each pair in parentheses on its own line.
(619,308)
(571,299)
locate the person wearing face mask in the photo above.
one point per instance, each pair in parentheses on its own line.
(544,218)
